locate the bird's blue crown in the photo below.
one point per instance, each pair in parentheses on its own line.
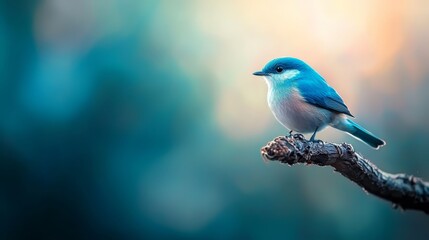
(278,65)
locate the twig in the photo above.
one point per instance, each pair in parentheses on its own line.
(404,191)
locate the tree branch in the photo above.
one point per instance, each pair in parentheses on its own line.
(404,191)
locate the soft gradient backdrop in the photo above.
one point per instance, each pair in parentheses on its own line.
(126,119)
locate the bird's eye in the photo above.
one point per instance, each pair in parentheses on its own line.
(279,69)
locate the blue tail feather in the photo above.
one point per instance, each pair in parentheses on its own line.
(360,133)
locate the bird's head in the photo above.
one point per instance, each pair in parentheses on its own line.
(280,71)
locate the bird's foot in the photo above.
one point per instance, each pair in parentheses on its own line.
(314,135)
(317,141)
(290,133)
(299,136)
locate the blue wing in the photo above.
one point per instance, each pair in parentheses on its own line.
(318,93)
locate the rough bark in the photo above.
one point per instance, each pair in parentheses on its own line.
(404,191)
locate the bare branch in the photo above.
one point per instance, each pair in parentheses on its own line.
(404,191)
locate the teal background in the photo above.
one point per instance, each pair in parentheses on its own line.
(126,119)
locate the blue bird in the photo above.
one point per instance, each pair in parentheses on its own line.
(302,101)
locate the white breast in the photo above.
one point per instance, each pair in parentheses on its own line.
(294,113)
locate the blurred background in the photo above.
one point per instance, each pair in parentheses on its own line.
(124,119)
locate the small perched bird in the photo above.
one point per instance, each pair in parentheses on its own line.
(302,101)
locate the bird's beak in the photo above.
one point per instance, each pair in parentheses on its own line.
(260,73)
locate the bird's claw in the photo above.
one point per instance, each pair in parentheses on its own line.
(298,136)
(318,141)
